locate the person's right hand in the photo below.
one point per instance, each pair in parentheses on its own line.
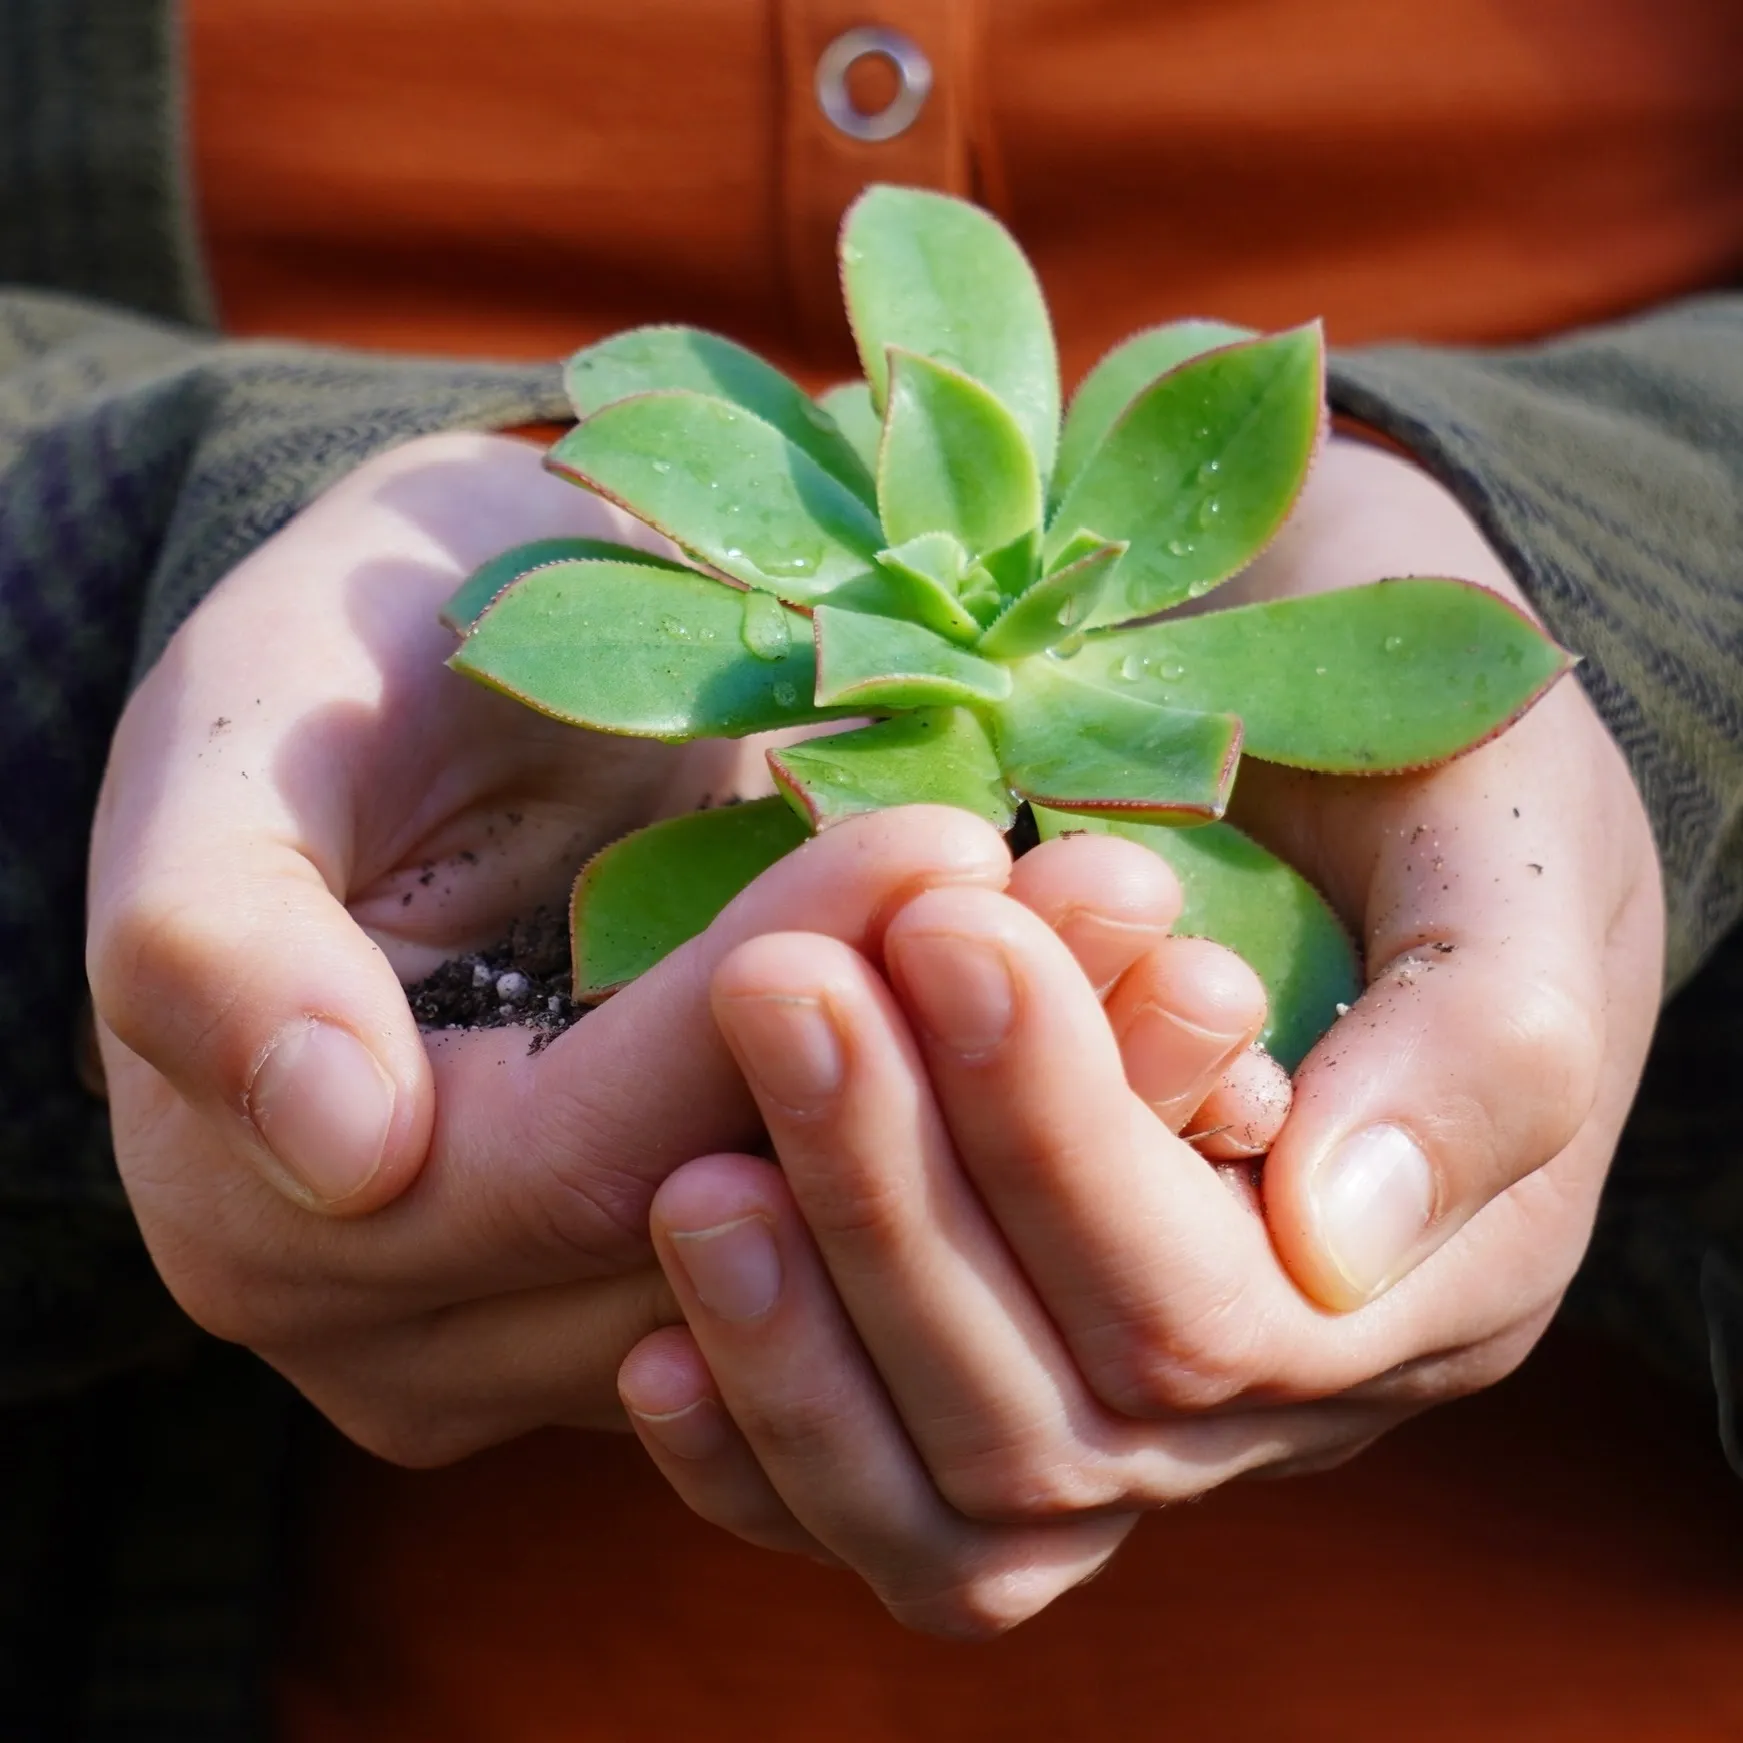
(441,1241)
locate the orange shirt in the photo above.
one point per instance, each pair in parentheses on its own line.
(518,178)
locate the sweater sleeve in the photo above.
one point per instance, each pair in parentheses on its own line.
(139,462)
(1606,469)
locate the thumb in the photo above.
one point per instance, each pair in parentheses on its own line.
(264,1006)
(219,949)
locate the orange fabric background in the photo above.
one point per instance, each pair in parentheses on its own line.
(516,180)
(1558,1561)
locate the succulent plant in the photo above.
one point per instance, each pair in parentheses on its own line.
(935,548)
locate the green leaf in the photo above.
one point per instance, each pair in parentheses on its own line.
(639,899)
(882,662)
(1119,378)
(953,460)
(659,359)
(728,487)
(1056,607)
(1080,545)
(850,405)
(938,756)
(1014,568)
(938,276)
(925,575)
(1264,910)
(1078,747)
(1367,680)
(485,582)
(1201,470)
(651,652)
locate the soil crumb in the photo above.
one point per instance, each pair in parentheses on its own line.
(522,980)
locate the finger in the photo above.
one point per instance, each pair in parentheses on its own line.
(1474,1055)
(1181,1015)
(817,1419)
(971,1359)
(443,1385)
(677,1413)
(1110,900)
(270,1011)
(1245,1110)
(1163,1286)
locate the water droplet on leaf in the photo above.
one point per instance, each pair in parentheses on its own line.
(1208,471)
(785,694)
(764,629)
(1171,671)
(1209,510)
(1393,643)
(1180,547)
(662,466)
(1130,669)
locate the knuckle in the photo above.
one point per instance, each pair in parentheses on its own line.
(226,1297)
(217,1308)
(1009,1486)
(973,1604)
(1178,1367)
(849,1205)
(584,1206)
(803,1427)
(395,1425)
(1555,1040)
(404,1438)
(139,948)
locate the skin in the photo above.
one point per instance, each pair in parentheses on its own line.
(1012,1308)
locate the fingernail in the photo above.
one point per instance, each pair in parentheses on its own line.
(323,1105)
(698,1431)
(1105,947)
(961,986)
(789,1045)
(734,1268)
(1373,1197)
(1183,1053)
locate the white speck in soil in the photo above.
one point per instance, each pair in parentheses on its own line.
(512,987)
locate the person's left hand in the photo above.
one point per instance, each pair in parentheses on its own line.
(990,1307)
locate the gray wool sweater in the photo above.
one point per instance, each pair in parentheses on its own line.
(141,456)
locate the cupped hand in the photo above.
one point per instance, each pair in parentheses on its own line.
(990,1307)
(442,1240)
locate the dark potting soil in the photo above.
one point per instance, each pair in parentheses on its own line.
(524,979)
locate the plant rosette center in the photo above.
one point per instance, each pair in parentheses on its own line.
(937,547)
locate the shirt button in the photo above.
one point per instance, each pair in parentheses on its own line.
(913,82)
